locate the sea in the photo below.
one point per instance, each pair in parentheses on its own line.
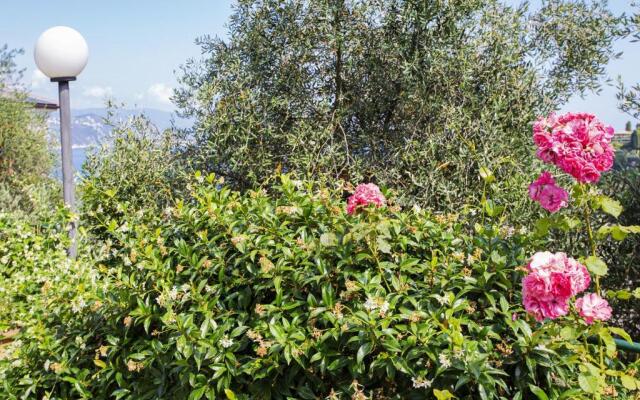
(79,156)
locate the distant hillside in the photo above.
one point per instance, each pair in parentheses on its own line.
(88,127)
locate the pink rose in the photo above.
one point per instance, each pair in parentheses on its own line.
(552,280)
(560,285)
(545,262)
(604,161)
(540,260)
(365,194)
(534,307)
(553,198)
(536,285)
(555,307)
(592,307)
(579,275)
(535,189)
(579,144)
(544,190)
(541,308)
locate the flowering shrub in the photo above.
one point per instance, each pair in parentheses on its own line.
(30,256)
(579,145)
(44,298)
(285,295)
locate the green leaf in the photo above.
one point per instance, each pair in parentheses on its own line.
(629,382)
(618,232)
(568,333)
(622,294)
(230,394)
(498,259)
(620,332)
(543,225)
(607,339)
(567,223)
(610,206)
(540,394)
(364,349)
(383,245)
(491,208)
(589,383)
(197,393)
(596,266)
(442,394)
(487,175)
(570,394)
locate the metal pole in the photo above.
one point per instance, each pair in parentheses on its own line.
(67,164)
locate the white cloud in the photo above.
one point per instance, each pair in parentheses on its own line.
(98,91)
(37,79)
(161,92)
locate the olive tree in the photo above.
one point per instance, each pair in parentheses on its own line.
(414,94)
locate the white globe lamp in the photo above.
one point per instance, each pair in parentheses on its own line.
(61,53)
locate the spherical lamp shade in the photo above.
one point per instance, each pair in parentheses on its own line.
(61,52)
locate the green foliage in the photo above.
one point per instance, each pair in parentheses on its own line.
(621,248)
(24,147)
(25,155)
(279,294)
(133,167)
(42,294)
(30,256)
(411,94)
(9,72)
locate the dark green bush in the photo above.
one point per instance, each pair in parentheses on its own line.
(279,294)
(625,256)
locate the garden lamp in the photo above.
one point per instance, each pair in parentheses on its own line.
(61,53)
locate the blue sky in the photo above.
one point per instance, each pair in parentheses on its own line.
(136,47)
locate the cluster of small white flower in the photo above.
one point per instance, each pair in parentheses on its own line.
(444,360)
(443,299)
(80,342)
(226,342)
(377,303)
(78,305)
(421,383)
